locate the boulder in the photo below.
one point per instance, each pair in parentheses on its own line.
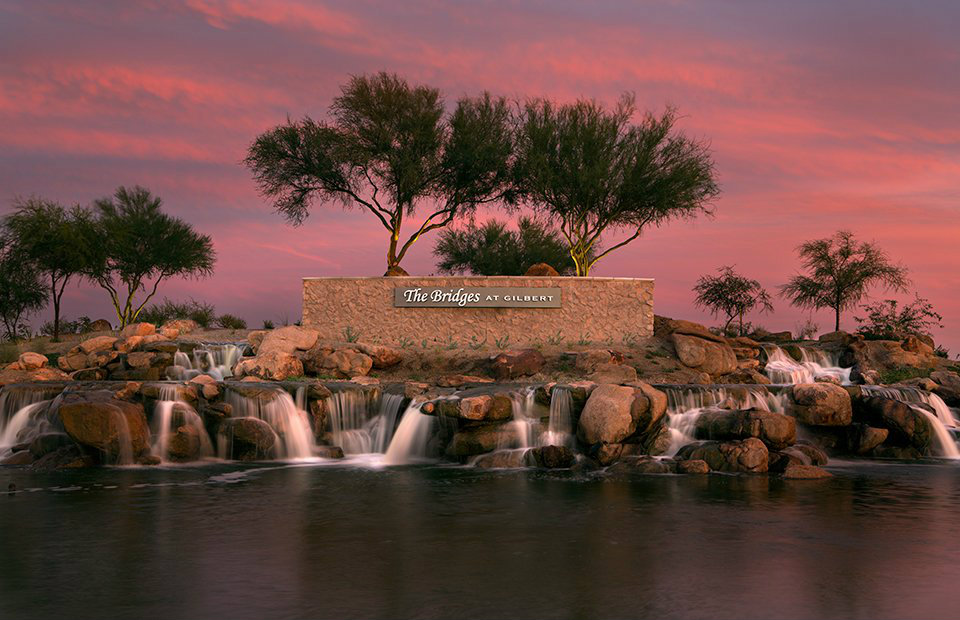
(9,375)
(883,355)
(126,345)
(100,325)
(345,363)
(502,459)
(709,356)
(288,339)
(116,428)
(22,457)
(329,452)
(606,453)
(183,326)
(948,386)
(745,376)
(140,359)
(275,366)
(480,439)
(100,359)
(32,361)
(692,466)
(642,465)
(588,361)
(607,416)
(664,327)
(655,442)
(382,356)
(862,439)
(907,426)
(820,404)
(513,364)
(460,380)
(255,337)
(185,444)
(776,430)
(542,270)
(206,385)
(553,457)
(247,439)
(814,455)
(840,337)
(48,442)
(613,373)
(746,456)
(914,344)
(170,333)
(74,359)
(138,329)
(89,374)
(649,405)
(100,343)
(395,271)
(476,408)
(796,471)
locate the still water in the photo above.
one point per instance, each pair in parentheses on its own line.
(876,541)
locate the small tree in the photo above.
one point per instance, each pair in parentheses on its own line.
(731,295)
(21,290)
(492,249)
(840,271)
(388,148)
(53,240)
(140,246)
(886,319)
(592,171)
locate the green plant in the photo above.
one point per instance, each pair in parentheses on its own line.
(267,324)
(555,340)
(630,339)
(9,353)
(475,344)
(902,373)
(229,321)
(80,326)
(941,351)
(349,335)
(885,320)
(423,343)
(584,339)
(404,343)
(451,344)
(203,314)
(22,293)
(502,342)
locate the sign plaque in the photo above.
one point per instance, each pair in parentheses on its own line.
(475,297)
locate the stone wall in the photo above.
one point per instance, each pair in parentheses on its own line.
(601,310)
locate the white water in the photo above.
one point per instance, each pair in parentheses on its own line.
(525,426)
(18,423)
(290,423)
(216,360)
(783,369)
(410,442)
(560,426)
(942,418)
(164,427)
(22,416)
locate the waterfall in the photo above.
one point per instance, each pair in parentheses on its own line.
(942,418)
(525,425)
(23,414)
(685,404)
(216,360)
(170,415)
(560,426)
(289,422)
(410,442)
(783,369)
(353,427)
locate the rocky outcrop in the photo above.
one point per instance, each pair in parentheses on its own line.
(484,407)
(480,439)
(514,364)
(947,386)
(117,429)
(553,457)
(607,416)
(745,456)
(274,366)
(138,329)
(776,430)
(907,426)
(31,361)
(288,340)
(820,404)
(542,270)
(706,355)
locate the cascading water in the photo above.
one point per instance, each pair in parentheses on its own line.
(410,442)
(525,425)
(289,422)
(355,428)
(22,414)
(216,360)
(942,419)
(172,415)
(814,363)
(560,425)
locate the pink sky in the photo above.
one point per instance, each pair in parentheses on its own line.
(820,117)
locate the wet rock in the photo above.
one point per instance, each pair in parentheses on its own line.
(274,366)
(248,439)
(654,442)
(776,430)
(907,425)
(542,270)
(206,385)
(745,376)
(692,466)
(862,439)
(288,339)
(820,404)
(501,459)
(649,406)
(607,416)
(642,465)
(186,393)
(412,389)
(460,380)
(23,457)
(47,443)
(329,452)
(116,428)
(746,456)
(815,455)
(805,472)
(709,356)
(513,364)
(480,439)
(902,453)
(185,444)
(138,329)
(948,386)
(553,457)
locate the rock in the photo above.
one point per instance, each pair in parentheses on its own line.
(820,404)
(74,359)
(649,405)
(840,337)
(915,345)
(542,270)
(344,363)
(100,325)
(748,455)
(588,361)
(288,339)
(32,361)
(776,430)
(412,389)
(207,386)
(883,355)
(183,326)
(395,271)
(480,439)
(329,452)
(23,457)
(128,344)
(613,373)
(186,393)
(655,442)
(138,329)
(26,376)
(607,416)
(185,444)
(693,466)
(814,455)
(948,386)
(780,337)
(140,359)
(664,327)
(907,425)
(501,459)
(862,439)
(275,366)
(128,391)
(169,333)
(47,443)
(903,453)
(805,472)
(100,359)
(247,439)
(382,356)
(255,337)
(606,453)
(365,380)
(709,356)
(745,376)
(553,457)
(116,428)
(460,380)
(512,364)
(89,374)
(100,343)
(921,383)
(476,408)
(642,465)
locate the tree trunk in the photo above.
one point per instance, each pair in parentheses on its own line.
(837,324)
(56,309)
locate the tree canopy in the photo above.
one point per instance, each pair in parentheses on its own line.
(389,148)
(21,290)
(138,246)
(52,239)
(840,271)
(493,249)
(731,295)
(592,171)
(887,319)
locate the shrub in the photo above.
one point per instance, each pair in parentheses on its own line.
(807,330)
(268,324)
(902,373)
(229,321)
(887,321)
(158,314)
(80,326)
(9,353)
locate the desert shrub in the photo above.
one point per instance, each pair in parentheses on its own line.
(268,324)
(203,313)
(902,373)
(80,326)
(229,321)
(806,330)
(9,352)
(886,320)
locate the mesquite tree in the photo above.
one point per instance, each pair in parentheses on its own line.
(53,240)
(22,292)
(840,271)
(138,246)
(731,295)
(591,170)
(388,148)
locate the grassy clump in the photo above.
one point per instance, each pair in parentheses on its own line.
(203,314)
(902,373)
(230,321)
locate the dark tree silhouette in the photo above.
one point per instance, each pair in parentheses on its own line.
(21,290)
(731,295)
